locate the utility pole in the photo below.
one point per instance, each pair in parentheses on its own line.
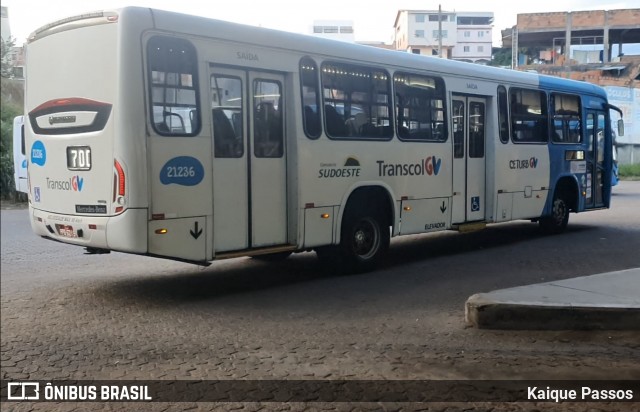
(440,30)
(514,47)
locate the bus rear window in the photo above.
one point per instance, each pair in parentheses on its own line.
(173,78)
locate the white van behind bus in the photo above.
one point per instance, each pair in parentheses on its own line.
(19,158)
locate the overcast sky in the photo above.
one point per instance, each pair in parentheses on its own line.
(373,19)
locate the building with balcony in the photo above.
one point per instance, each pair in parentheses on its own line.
(464,36)
(474,37)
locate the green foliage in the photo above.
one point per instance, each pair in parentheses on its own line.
(12,91)
(629,171)
(501,57)
(7,185)
(11,106)
(5,55)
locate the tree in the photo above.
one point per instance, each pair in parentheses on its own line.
(7,184)
(7,58)
(10,106)
(501,57)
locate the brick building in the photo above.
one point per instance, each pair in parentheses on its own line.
(586,46)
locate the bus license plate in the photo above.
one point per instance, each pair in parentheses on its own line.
(66,231)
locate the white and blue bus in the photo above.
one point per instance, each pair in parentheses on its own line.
(169,135)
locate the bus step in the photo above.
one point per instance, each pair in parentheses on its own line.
(470,227)
(256,252)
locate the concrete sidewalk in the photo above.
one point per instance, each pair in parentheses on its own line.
(604,301)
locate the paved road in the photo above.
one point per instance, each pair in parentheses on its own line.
(66,315)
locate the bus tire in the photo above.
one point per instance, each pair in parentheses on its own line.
(557,222)
(365,239)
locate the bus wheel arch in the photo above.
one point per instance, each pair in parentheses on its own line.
(365,228)
(565,200)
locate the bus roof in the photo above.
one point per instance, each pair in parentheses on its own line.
(308,44)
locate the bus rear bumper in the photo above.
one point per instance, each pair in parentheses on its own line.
(126,232)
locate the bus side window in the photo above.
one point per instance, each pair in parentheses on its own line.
(503,114)
(268,129)
(529,118)
(566,118)
(173,86)
(420,107)
(310,89)
(348,90)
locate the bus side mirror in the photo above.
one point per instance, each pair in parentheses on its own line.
(620,127)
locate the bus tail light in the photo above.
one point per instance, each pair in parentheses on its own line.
(119,186)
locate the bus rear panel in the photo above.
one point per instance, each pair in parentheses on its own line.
(80,179)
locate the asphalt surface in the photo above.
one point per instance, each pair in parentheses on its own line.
(66,315)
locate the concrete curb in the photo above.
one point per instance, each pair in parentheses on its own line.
(609,301)
(529,317)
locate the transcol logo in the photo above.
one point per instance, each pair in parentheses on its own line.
(428,166)
(75,184)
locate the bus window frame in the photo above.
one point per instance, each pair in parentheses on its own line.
(441,95)
(372,103)
(178,86)
(313,66)
(503,114)
(565,118)
(540,120)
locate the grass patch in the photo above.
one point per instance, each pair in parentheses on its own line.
(629,171)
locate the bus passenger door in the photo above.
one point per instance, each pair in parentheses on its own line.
(249,171)
(595,159)
(230,170)
(268,165)
(469,165)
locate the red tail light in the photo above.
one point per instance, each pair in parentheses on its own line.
(119,186)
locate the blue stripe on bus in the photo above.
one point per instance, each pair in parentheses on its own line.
(570,86)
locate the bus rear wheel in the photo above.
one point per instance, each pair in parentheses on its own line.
(365,239)
(557,222)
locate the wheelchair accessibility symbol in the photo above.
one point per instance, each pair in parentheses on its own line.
(475,204)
